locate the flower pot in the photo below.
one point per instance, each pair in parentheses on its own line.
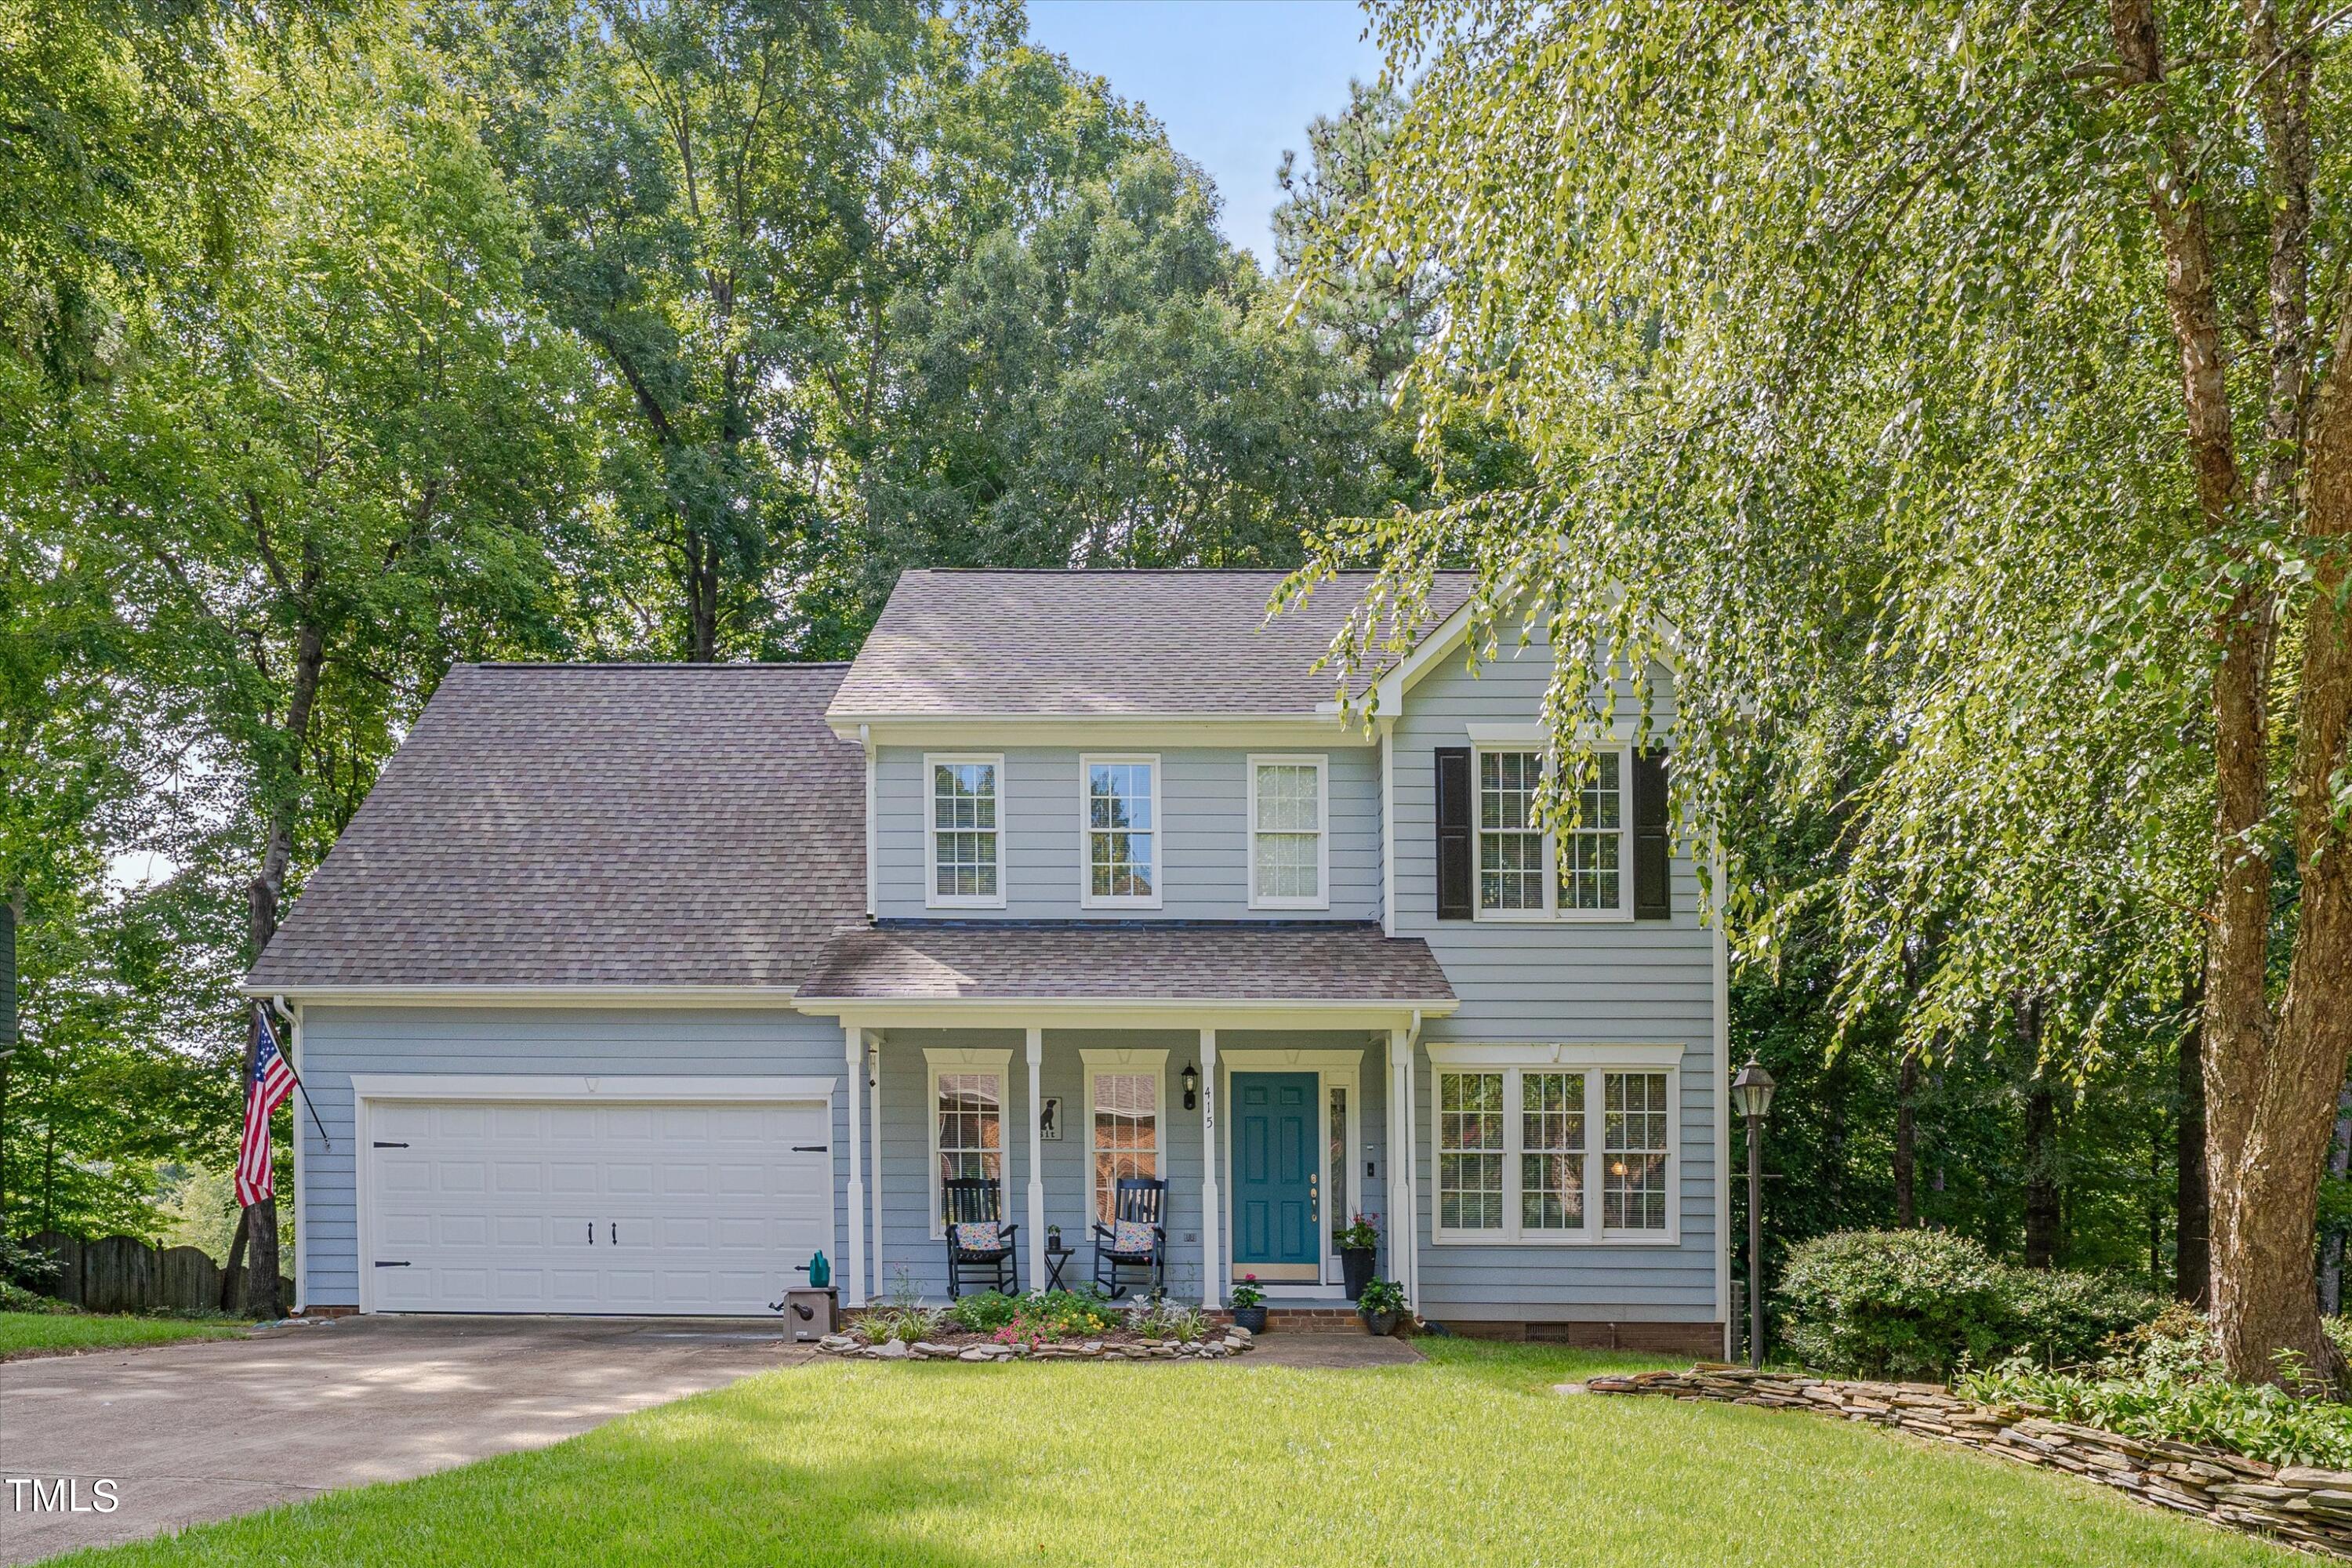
(1250,1318)
(1380,1323)
(1356,1268)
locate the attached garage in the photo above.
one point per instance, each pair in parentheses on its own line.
(588,1195)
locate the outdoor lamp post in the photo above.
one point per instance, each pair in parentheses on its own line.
(1752,1095)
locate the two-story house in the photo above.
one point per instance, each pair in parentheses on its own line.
(630,988)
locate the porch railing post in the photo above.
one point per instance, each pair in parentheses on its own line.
(1211,1204)
(1036,1162)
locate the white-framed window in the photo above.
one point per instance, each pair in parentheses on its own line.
(1524,873)
(1118,825)
(965,800)
(1126,1120)
(1289,833)
(968,1121)
(1549,1144)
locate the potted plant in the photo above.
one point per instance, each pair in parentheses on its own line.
(1382,1306)
(1357,1243)
(1249,1305)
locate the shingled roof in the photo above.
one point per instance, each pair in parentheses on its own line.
(593,825)
(1075,643)
(1126,961)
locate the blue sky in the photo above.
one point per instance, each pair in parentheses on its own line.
(1235,81)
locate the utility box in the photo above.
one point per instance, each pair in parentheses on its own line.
(811,1313)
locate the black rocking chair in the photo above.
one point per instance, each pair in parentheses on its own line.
(973,1203)
(1136,1241)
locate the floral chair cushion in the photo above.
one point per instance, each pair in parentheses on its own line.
(979,1236)
(1131,1236)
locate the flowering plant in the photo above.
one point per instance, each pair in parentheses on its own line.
(1246,1293)
(1361,1231)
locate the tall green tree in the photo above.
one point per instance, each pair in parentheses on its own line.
(2032,320)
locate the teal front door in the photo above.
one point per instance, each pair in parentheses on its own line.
(1278,1230)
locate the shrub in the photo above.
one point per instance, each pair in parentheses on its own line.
(2165,1380)
(24,1264)
(1890,1303)
(2059,1317)
(14,1298)
(1919,1303)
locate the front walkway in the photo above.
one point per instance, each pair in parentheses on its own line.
(205,1430)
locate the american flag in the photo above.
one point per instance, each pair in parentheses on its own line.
(271,1082)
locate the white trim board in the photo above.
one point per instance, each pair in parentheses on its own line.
(629,1088)
(778,997)
(1113,1013)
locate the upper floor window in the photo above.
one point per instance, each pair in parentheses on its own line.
(1289,857)
(1527,873)
(1121,828)
(967,840)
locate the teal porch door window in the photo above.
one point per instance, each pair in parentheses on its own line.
(1276,1216)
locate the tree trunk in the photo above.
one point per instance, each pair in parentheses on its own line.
(2041,1215)
(260,1220)
(2192,1258)
(1906,1142)
(232,1271)
(2331,1243)
(701,598)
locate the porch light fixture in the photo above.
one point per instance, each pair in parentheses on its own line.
(1751,1093)
(1191,1087)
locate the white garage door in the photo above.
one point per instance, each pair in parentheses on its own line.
(495,1206)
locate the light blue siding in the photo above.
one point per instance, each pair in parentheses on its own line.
(668,1042)
(1583,982)
(1203,847)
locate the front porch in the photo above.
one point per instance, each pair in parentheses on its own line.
(1266,1138)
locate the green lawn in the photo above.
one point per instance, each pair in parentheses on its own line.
(27,1334)
(1465,1461)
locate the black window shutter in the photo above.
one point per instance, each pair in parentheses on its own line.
(1654,897)
(1454,901)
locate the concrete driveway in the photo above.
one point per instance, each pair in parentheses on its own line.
(207,1429)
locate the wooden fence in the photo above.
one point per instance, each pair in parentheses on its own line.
(123,1274)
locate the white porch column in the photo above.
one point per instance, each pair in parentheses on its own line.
(1412,1184)
(1399,1125)
(874,1084)
(853,1058)
(1213,1203)
(1036,1162)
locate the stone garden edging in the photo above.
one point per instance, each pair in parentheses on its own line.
(2300,1506)
(1233,1341)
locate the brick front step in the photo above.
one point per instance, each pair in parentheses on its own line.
(1305,1320)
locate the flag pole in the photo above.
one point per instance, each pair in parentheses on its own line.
(288,1060)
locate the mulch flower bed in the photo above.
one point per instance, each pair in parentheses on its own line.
(2303,1507)
(1215,1346)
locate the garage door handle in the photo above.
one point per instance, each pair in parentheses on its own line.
(616,1234)
(381,1145)
(401,1263)
(811,1148)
